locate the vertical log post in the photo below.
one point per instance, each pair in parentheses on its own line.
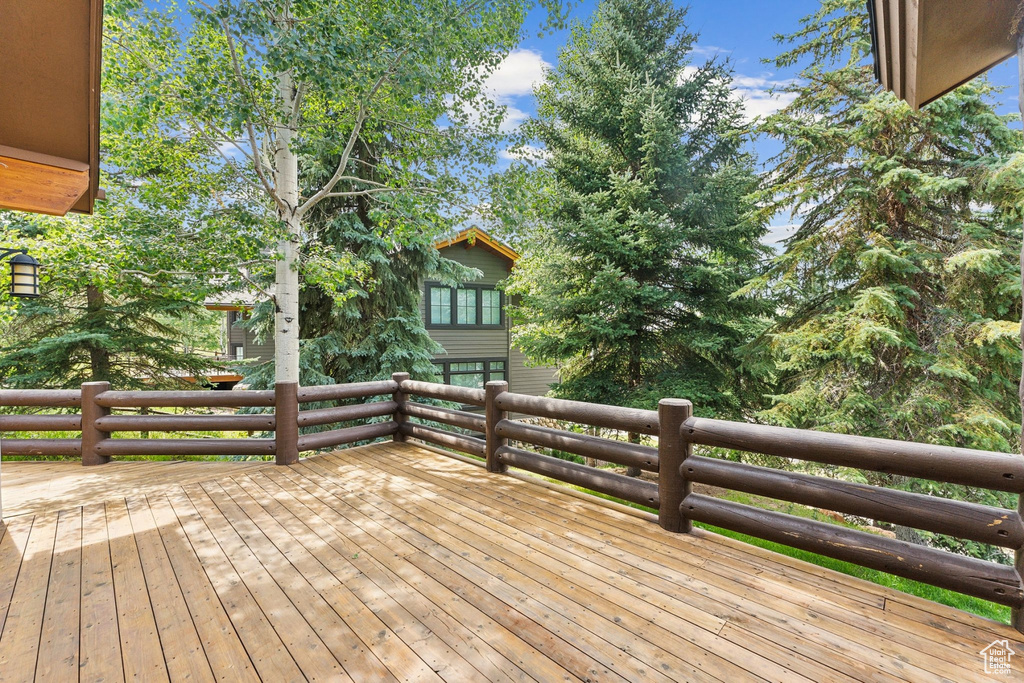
(286,436)
(91,437)
(400,398)
(1017,614)
(673,451)
(494,415)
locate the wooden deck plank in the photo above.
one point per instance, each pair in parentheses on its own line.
(141,655)
(395,562)
(597,635)
(456,621)
(662,628)
(267,651)
(952,651)
(13,543)
(187,659)
(58,642)
(223,648)
(310,652)
(19,641)
(100,642)
(361,646)
(333,577)
(515,626)
(880,652)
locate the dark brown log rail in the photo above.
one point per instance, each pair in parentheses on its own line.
(508,443)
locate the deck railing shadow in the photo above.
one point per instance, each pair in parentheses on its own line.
(673,424)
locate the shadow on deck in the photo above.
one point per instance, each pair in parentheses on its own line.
(392,562)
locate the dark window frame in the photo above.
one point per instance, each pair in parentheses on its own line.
(446,371)
(427,306)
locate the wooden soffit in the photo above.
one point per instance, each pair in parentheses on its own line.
(925,48)
(50,58)
(475,237)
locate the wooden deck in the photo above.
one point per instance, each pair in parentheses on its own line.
(391,562)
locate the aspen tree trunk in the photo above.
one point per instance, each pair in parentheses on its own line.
(286,317)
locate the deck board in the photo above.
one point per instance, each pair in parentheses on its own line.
(394,562)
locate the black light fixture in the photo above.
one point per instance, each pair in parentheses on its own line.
(24,273)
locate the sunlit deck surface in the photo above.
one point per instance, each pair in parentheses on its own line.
(392,562)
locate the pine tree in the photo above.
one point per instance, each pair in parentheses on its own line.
(900,286)
(643,230)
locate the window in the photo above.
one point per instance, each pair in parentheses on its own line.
(440,305)
(490,307)
(238,351)
(464,306)
(471,373)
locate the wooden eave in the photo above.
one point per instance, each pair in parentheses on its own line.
(475,237)
(50,59)
(925,48)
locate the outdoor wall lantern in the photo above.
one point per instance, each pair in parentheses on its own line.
(24,273)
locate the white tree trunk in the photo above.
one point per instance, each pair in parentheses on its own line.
(286,177)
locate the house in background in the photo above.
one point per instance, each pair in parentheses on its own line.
(470,322)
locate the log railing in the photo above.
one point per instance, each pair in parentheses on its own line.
(500,442)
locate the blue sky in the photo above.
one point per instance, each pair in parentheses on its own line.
(742,30)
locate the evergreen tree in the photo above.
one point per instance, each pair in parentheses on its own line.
(900,287)
(642,233)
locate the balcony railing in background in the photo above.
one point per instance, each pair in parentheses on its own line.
(678,469)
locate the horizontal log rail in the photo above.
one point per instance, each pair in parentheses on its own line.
(185,399)
(983,469)
(997,526)
(609,450)
(210,447)
(41,423)
(48,447)
(441,437)
(455,418)
(361,411)
(627,488)
(41,398)
(966,575)
(610,417)
(444,392)
(337,392)
(186,423)
(340,437)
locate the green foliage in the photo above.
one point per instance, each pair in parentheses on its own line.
(899,291)
(643,230)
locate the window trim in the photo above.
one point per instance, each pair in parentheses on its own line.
(427,306)
(446,363)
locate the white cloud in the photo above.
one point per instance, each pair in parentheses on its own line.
(709,50)
(526,153)
(758,98)
(754,91)
(777,234)
(517,74)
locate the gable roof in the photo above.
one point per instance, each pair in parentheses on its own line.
(50,108)
(475,237)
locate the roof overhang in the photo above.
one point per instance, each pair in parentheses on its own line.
(925,48)
(475,237)
(50,58)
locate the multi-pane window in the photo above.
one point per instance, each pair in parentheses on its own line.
(471,373)
(440,305)
(465,306)
(490,307)
(466,312)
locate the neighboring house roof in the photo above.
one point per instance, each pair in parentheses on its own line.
(924,49)
(477,237)
(50,57)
